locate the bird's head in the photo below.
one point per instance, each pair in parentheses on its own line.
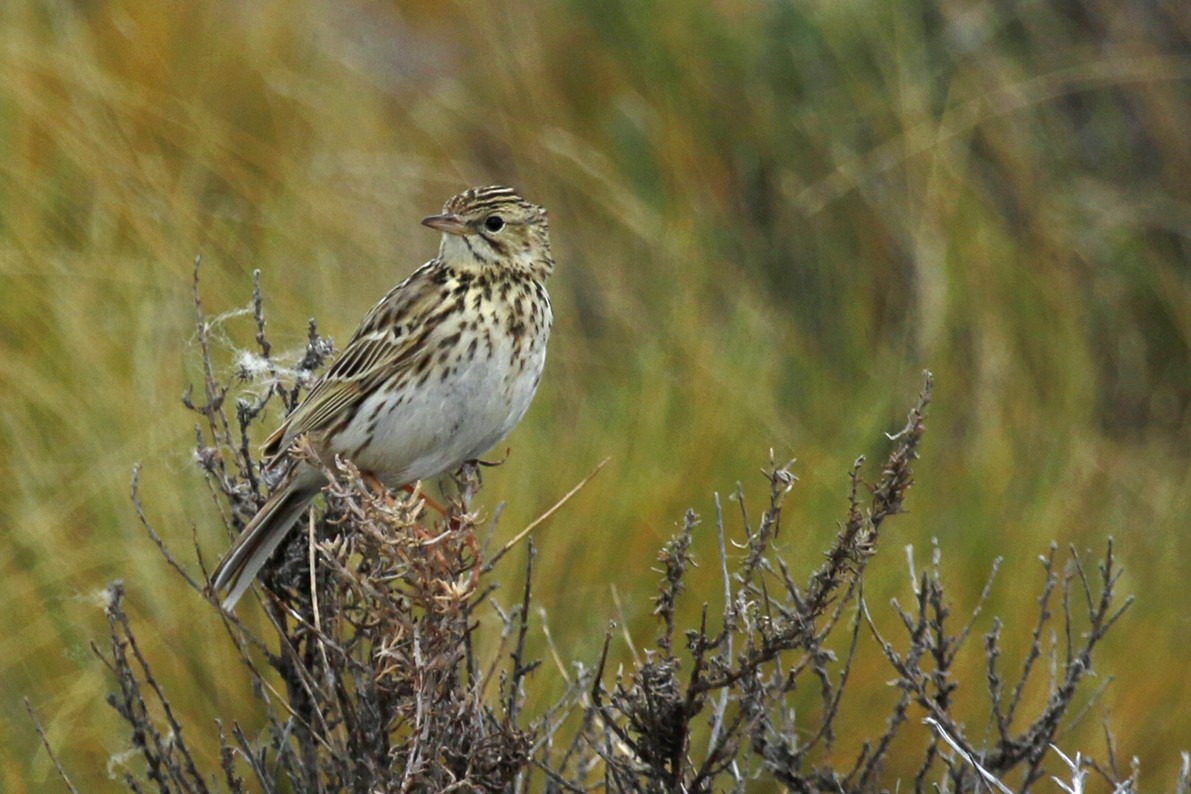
(493,227)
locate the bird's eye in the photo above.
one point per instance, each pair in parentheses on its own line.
(494,223)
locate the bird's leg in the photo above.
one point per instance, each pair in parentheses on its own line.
(376,486)
(433,505)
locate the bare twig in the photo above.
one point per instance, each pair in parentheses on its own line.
(543,517)
(45,742)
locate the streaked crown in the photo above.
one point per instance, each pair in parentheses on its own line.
(478,200)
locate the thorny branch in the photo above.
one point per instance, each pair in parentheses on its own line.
(374,679)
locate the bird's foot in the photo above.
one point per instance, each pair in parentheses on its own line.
(491,463)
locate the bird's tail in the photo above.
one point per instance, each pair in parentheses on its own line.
(259,539)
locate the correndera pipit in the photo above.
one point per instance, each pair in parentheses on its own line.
(438,372)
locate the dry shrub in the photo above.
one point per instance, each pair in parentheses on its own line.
(372,681)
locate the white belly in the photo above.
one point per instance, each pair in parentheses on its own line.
(443,422)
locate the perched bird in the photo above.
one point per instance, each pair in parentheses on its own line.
(437,373)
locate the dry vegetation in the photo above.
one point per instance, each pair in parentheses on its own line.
(373,676)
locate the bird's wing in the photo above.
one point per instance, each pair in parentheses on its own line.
(388,340)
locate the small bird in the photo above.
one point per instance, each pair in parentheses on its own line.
(437,373)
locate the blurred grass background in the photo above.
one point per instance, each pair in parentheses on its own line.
(769,217)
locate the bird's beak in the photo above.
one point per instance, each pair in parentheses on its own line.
(449,223)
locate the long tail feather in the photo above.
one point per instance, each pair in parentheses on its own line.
(258,541)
